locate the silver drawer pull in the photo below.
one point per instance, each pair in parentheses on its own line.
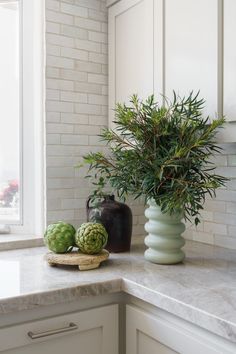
(71,327)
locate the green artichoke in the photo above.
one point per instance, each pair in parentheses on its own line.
(91,237)
(60,237)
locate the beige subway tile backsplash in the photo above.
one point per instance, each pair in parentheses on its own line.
(76,83)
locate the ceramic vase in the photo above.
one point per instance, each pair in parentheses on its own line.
(164,238)
(116,217)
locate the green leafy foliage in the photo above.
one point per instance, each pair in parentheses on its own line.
(161,152)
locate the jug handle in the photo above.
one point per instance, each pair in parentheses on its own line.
(88,201)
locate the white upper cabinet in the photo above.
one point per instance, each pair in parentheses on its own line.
(131,56)
(157,46)
(230,60)
(191,45)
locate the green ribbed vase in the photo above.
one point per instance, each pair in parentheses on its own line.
(164,238)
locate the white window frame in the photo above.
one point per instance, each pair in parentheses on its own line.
(32,177)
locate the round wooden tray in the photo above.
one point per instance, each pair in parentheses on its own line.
(83,261)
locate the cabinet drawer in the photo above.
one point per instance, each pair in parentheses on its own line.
(86,332)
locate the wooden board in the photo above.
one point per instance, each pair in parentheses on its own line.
(83,261)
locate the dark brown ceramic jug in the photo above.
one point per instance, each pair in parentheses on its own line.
(116,218)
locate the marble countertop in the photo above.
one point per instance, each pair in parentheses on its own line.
(202,290)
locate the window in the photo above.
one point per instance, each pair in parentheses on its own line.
(21,115)
(10,113)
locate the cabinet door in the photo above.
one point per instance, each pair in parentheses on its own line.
(229,60)
(191,49)
(130,51)
(97,332)
(146,333)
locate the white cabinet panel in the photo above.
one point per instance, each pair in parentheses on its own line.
(191,49)
(229,60)
(134,52)
(147,344)
(97,332)
(149,334)
(130,51)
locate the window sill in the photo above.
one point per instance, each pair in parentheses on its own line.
(17,241)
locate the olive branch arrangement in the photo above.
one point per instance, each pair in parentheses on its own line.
(160,152)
